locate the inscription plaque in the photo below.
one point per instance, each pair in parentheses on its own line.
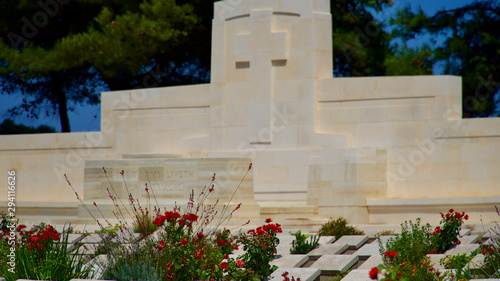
(151,174)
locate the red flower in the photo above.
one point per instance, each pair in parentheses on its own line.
(190,217)
(182,222)
(161,246)
(240,263)
(197,255)
(466,217)
(20,227)
(373,273)
(391,254)
(458,215)
(184,242)
(170,276)
(201,235)
(223,265)
(269,220)
(451,210)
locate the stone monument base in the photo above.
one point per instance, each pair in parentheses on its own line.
(167,183)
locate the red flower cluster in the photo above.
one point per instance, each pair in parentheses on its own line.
(35,240)
(374,273)
(266,229)
(169,217)
(437,230)
(454,215)
(161,246)
(190,217)
(391,254)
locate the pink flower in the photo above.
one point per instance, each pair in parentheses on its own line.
(240,263)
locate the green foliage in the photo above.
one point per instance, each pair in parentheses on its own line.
(491,252)
(132,267)
(144,225)
(411,245)
(444,238)
(41,254)
(8,127)
(384,233)
(300,245)
(89,46)
(459,263)
(469,50)
(260,246)
(338,228)
(341,275)
(405,254)
(109,229)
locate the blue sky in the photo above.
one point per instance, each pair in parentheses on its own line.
(87,118)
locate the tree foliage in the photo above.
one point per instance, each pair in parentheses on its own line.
(47,55)
(8,127)
(470,48)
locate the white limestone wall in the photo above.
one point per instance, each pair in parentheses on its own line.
(41,160)
(431,151)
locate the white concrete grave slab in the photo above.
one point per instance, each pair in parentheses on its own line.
(288,261)
(329,249)
(305,274)
(335,263)
(353,241)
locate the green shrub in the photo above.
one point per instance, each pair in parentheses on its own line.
(144,225)
(338,228)
(411,245)
(43,254)
(491,252)
(405,254)
(300,245)
(132,266)
(447,236)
